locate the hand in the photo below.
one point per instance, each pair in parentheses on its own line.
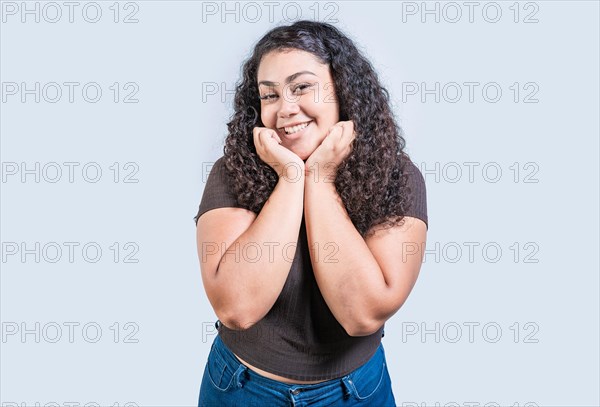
(323,162)
(268,147)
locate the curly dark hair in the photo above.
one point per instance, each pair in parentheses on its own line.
(371,180)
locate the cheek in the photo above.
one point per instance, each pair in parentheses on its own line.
(328,113)
(267,118)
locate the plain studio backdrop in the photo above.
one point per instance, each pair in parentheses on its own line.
(113,113)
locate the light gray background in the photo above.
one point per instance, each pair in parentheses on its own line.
(176,131)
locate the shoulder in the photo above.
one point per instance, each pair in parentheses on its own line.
(417,190)
(217,192)
(415,178)
(218,166)
(217,173)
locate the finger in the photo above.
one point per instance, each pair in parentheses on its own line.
(334,127)
(348,127)
(265,138)
(343,132)
(348,135)
(276,137)
(257,140)
(332,138)
(349,130)
(337,131)
(272,135)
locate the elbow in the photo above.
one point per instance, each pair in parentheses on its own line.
(238,321)
(362,328)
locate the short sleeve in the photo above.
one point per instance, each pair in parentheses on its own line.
(418,193)
(216,192)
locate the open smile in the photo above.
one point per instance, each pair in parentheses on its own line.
(296,129)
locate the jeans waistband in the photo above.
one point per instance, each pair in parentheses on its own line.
(242,370)
(232,360)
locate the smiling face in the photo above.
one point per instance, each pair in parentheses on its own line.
(295,89)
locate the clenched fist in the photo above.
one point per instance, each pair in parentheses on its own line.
(285,162)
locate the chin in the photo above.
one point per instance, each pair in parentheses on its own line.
(305,156)
(302,154)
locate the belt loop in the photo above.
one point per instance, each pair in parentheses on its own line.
(241,369)
(346,385)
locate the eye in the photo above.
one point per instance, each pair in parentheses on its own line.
(269,96)
(302,86)
(296,89)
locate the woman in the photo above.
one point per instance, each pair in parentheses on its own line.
(311,228)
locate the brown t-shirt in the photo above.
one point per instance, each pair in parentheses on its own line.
(299,338)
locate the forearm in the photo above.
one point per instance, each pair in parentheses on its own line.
(253,270)
(351,282)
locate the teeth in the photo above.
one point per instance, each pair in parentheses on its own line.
(290,130)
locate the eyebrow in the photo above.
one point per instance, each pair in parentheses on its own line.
(287,80)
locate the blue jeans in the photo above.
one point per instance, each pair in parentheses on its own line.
(227,382)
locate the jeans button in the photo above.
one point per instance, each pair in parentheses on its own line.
(295,392)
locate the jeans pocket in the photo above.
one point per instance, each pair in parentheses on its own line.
(366,380)
(219,372)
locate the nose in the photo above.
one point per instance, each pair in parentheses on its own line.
(289,105)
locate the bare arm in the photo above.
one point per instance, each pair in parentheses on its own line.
(369,280)
(245,258)
(243,274)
